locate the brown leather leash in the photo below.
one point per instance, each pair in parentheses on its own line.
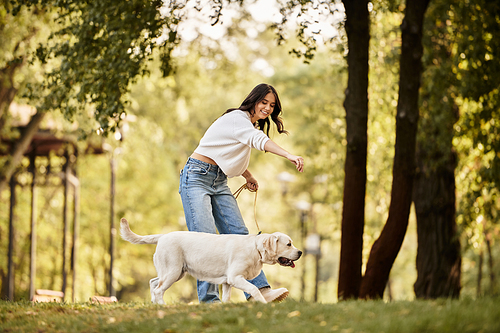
(237,193)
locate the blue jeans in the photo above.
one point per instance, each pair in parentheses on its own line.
(209,206)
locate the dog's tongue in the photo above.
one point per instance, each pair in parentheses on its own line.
(286,262)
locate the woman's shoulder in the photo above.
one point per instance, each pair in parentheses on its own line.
(237,115)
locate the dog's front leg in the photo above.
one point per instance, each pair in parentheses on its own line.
(240,283)
(226,292)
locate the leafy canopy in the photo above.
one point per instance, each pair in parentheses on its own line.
(100,49)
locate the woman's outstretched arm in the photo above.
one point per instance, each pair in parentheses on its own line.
(272,147)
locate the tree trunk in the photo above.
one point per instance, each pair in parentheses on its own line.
(7,89)
(7,93)
(6,97)
(356,107)
(19,149)
(386,248)
(479,292)
(438,256)
(487,238)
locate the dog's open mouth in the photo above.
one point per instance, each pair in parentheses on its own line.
(286,262)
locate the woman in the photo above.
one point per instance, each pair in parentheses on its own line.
(224,151)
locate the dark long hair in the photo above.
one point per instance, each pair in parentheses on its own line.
(256,95)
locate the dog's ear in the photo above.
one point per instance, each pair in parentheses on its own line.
(268,247)
(271,245)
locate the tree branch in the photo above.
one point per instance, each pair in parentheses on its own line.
(19,149)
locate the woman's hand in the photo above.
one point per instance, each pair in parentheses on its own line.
(252,183)
(298,161)
(272,147)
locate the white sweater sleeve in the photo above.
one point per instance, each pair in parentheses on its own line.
(245,133)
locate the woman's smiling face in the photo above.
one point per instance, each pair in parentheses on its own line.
(264,108)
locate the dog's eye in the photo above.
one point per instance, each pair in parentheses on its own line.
(289,244)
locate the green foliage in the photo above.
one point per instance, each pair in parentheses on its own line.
(289,316)
(438,111)
(313,109)
(476,67)
(305,13)
(19,36)
(100,49)
(383,96)
(478,133)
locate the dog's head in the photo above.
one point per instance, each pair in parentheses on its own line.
(277,248)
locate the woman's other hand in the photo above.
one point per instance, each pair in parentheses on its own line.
(298,161)
(272,147)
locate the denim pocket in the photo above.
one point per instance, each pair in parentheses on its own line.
(198,169)
(180,180)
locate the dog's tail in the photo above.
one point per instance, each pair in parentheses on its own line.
(133,238)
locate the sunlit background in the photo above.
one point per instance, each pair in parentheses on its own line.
(216,67)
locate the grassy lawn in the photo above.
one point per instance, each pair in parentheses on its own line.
(482,315)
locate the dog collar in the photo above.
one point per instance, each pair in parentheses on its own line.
(256,247)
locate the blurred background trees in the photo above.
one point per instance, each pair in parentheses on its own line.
(209,72)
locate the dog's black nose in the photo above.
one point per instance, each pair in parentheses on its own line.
(300,254)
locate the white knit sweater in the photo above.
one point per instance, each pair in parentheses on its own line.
(229,141)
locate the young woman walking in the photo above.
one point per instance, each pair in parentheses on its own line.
(224,151)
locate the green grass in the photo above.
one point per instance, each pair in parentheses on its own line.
(455,316)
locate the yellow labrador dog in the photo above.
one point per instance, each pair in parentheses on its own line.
(229,260)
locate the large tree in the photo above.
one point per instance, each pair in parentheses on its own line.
(386,248)
(357,26)
(438,257)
